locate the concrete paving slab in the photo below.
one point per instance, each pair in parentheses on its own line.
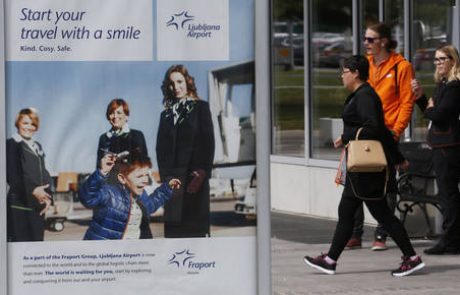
(360,271)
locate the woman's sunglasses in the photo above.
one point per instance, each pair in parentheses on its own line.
(370,40)
(440,60)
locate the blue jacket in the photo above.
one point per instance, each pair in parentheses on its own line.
(111,205)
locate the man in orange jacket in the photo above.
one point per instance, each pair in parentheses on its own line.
(390,75)
(391,78)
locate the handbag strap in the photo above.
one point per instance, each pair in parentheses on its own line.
(387,176)
(358,132)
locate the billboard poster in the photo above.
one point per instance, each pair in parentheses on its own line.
(130,146)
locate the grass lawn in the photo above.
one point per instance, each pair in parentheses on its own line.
(326,100)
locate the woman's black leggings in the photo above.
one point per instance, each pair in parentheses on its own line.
(380,211)
(447,168)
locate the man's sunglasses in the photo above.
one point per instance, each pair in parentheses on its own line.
(370,40)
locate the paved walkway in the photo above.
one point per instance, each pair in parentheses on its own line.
(358,272)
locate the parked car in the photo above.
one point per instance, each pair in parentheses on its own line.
(333,54)
(423,58)
(296,43)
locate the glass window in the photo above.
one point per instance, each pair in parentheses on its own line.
(331,43)
(371,14)
(288,78)
(432,26)
(393,15)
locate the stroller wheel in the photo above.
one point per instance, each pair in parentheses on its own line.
(58,226)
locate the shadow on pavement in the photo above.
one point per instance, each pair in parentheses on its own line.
(230,218)
(307,230)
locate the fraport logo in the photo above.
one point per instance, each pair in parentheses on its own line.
(184,21)
(185,259)
(180,258)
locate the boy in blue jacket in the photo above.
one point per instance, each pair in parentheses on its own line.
(122,207)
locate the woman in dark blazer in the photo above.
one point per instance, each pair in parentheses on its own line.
(363,110)
(185,149)
(443,110)
(120,138)
(28,195)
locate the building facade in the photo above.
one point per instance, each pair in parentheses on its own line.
(310,38)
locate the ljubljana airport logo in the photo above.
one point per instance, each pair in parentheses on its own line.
(185,260)
(184,21)
(179,20)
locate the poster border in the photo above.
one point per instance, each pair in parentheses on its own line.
(261,23)
(3,244)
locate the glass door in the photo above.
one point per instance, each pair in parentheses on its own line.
(432,25)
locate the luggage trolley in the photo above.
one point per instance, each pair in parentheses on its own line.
(63,200)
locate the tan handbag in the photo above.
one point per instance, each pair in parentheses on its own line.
(365,155)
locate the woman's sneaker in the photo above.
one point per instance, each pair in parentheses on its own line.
(408,266)
(320,263)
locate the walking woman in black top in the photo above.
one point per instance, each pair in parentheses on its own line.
(29,182)
(363,110)
(443,110)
